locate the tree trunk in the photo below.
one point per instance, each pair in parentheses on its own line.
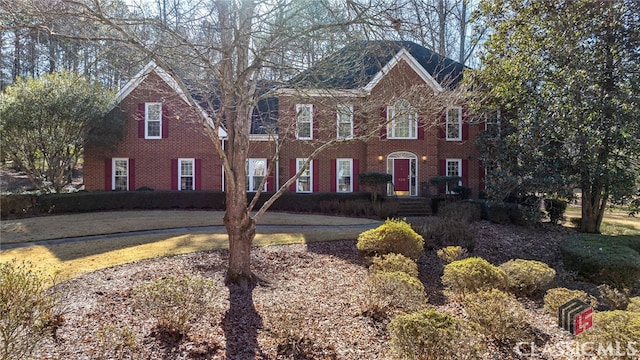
(594,202)
(241,229)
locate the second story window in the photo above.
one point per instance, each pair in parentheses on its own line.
(153,121)
(304,121)
(402,121)
(454,124)
(345,122)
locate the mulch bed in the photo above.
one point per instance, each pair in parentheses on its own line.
(306,306)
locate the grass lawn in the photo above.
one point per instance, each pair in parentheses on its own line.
(615,222)
(67,260)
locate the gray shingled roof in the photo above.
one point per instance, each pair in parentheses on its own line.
(355,65)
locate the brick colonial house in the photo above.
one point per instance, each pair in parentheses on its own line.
(398,83)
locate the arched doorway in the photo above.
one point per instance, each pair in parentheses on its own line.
(403,166)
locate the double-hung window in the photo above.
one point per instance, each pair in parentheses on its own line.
(454,168)
(120,174)
(153,121)
(256,171)
(345,122)
(402,121)
(186,174)
(454,124)
(344,169)
(304,121)
(304,181)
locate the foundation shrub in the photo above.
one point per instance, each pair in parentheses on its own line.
(394,236)
(554,298)
(467,211)
(528,277)
(28,312)
(389,293)
(603,259)
(394,262)
(634,304)
(472,274)
(176,302)
(500,316)
(555,209)
(428,334)
(450,254)
(614,335)
(449,231)
(612,298)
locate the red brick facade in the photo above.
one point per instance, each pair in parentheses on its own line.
(153,162)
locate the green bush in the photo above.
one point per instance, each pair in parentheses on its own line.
(511,213)
(394,262)
(387,293)
(428,334)
(472,274)
(613,330)
(394,236)
(634,304)
(612,298)
(448,231)
(27,311)
(450,254)
(528,277)
(555,209)
(115,343)
(463,210)
(500,316)
(176,302)
(602,259)
(554,298)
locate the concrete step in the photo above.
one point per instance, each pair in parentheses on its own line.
(413,206)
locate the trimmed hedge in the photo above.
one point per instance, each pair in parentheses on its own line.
(611,260)
(19,205)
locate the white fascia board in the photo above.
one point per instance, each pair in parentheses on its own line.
(135,81)
(320,92)
(403,54)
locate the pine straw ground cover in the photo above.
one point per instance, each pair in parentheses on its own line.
(308,305)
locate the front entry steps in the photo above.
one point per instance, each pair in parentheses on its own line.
(413,206)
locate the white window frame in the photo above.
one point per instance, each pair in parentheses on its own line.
(193,173)
(344,115)
(392,120)
(338,177)
(113,173)
(454,122)
(147,121)
(307,173)
(459,162)
(252,185)
(309,121)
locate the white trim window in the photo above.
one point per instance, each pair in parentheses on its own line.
(454,168)
(344,177)
(120,174)
(304,121)
(402,121)
(304,183)
(186,174)
(454,123)
(256,171)
(344,114)
(153,120)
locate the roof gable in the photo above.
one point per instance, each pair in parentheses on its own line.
(134,82)
(362,64)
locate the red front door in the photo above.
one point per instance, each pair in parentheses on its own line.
(401,174)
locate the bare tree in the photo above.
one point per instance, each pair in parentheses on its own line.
(232,47)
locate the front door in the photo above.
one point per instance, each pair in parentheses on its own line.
(401,176)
